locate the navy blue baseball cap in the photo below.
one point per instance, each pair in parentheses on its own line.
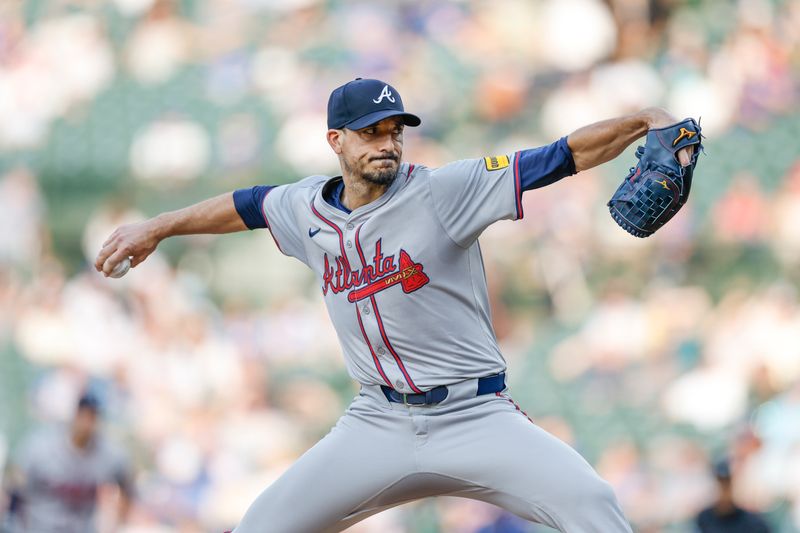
(364,102)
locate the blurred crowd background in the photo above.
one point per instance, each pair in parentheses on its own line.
(215,360)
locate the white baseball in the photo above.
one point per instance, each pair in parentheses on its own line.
(121,268)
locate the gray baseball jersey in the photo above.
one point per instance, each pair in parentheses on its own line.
(403,277)
(61,487)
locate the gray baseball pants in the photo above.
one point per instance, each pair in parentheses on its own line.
(382,454)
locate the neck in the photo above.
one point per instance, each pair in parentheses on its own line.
(724,506)
(358,192)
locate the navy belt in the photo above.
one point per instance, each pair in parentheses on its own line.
(487,385)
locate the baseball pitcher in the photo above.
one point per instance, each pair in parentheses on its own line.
(395,249)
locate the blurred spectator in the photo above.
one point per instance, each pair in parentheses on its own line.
(741,214)
(61,472)
(725,516)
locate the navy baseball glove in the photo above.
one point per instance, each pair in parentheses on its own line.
(658,186)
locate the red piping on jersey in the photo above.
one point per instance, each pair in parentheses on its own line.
(369,345)
(500,395)
(385,338)
(338,231)
(269,226)
(347,267)
(518,185)
(410,170)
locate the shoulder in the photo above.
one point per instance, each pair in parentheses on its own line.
(755,521)
(705,515)
(47,436)
(445,173)
(453,167)
(293,196)
(477,166)
(105,445)
(305,188)
(312,182)
(40,442)
(110,452)
(410,172)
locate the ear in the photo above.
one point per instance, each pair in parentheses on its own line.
(335,139)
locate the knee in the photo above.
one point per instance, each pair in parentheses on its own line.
(594,493)
(593,508)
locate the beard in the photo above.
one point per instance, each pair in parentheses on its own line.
(383,176)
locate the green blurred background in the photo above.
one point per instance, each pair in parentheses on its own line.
(215,359)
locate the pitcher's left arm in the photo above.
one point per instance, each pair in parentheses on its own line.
(602,141)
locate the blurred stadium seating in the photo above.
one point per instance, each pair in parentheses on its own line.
(216,357)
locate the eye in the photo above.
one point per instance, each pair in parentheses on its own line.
(368,131)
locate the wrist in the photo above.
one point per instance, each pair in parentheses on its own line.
(656,117)
(160,227)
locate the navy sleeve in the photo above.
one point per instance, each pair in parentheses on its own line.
(545,165)
(249,204)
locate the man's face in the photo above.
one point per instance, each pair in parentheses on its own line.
(372,153)
(84,426)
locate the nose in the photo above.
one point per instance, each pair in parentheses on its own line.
(386,143)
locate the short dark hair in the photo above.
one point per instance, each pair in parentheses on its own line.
(89,401)
(722,469)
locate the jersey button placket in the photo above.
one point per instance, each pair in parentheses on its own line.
(365,307)
(349,248)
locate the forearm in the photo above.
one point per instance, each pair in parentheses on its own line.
(215,215)
(137,241)
(600,142)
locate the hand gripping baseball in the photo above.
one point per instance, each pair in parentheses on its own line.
(134,241)
(658,186)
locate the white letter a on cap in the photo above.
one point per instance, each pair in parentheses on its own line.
(385,93)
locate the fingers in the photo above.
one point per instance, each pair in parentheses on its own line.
(132,241)
(109,247)
(135,241)
(114,250)
(109,256)
(104,254)
(113,259)
(685,156)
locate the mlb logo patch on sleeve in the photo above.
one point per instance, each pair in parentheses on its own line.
(496,162)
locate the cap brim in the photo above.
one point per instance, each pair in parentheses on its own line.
(377,116)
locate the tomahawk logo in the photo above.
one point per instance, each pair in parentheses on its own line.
(410,277)
(385,93)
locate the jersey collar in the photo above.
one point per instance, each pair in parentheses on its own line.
(321,203)
(332,193)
